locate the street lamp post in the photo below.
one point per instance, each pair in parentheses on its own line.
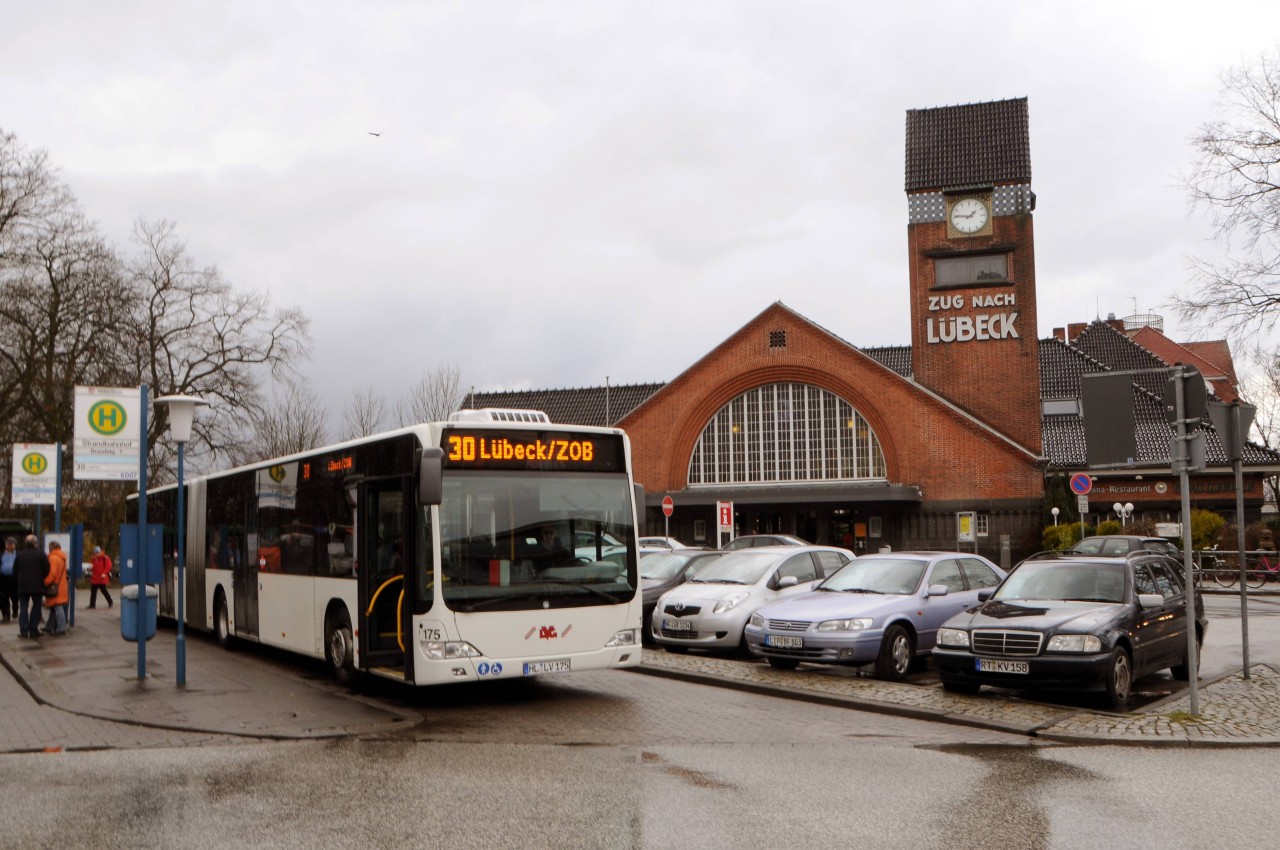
(182,413)
(1124,512)
(1054,511)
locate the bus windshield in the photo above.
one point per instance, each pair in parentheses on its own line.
(516,540)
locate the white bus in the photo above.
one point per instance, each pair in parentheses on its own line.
(491,546)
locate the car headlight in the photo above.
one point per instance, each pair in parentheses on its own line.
(1074,643)
(626,637)
(756,620)
(730,602)
(440,650)
(953,637)
(853,624)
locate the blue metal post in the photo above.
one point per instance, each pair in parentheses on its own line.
(182,590)
(57,486)
(142,534)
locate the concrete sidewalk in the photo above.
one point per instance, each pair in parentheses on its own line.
(93,672)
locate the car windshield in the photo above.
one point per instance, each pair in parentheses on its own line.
(877,575)
(742,567)
(1069,581)
(661,566)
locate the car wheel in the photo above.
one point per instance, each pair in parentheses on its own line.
(1119,678)
(222,622)
(341,649)
(961,687)
(1182,672)
(896,651)
(782,663)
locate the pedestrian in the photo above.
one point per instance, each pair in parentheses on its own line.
(30,568)
(8,583)
(100,577)
(56,600)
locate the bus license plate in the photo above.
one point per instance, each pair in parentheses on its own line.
(678,625)
(784,641)
(995,665)
(533,668)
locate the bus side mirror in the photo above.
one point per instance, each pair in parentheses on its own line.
(431,476)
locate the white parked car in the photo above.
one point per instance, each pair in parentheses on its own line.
(660,543)
(710,610)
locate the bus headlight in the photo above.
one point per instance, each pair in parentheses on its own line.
(626,637)
(953,637)
(442,650)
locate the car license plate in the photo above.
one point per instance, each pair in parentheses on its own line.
(533,668)
(784,641)
(678,625)
(996,665)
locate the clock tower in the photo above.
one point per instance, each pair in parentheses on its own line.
(973,275)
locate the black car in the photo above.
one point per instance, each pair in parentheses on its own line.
(662,570)
(1071,622)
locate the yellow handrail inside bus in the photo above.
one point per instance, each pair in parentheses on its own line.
(399,607)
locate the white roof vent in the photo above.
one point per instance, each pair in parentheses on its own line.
(496,414)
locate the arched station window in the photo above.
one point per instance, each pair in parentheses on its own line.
(786,432)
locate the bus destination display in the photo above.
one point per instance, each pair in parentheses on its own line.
(545,450)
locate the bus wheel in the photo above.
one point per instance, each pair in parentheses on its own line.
(221,622)
(341,650)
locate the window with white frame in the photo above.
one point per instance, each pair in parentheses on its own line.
(982,524)
(786,432)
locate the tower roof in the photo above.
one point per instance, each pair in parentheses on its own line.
(976,144)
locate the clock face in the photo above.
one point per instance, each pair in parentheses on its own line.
(969,215)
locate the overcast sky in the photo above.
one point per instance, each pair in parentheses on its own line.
(564,191)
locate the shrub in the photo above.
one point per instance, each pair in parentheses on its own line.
(1206,528)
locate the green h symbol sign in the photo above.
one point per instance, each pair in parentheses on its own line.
(107,418)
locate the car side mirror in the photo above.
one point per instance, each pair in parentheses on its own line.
(787,581)
(1150,600)
(985,594)
(937,590)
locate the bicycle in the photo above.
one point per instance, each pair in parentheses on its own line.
(1264,568)
(1225,569)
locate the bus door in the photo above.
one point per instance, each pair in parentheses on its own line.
(386,533)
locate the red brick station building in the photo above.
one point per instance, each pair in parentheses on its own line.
(947,442)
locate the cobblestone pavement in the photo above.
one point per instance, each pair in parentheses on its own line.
(1233,711)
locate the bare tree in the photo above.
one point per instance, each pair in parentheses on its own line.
(364,415)
(195,335)
(437,394)
(292,420)
(1263,391)
(1237,177)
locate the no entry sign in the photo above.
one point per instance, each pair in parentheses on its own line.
(668,506)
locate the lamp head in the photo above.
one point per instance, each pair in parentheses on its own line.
(182,414)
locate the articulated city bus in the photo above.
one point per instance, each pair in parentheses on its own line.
(493,545)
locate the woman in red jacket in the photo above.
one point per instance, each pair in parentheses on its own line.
(57,578)
(100,577)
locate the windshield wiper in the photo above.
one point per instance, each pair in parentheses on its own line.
(862,590)
(597,591)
